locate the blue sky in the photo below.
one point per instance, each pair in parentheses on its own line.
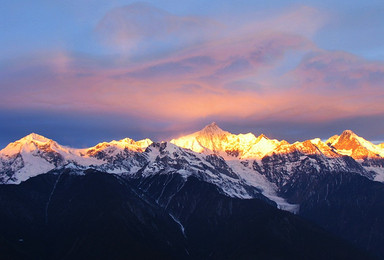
(87,71)
(28,26)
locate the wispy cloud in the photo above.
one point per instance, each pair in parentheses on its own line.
(198,68)
(141,27)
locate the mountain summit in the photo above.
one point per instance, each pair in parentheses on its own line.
(313,179)
(34,153)
(212,129)
(349,143)
(28,143)
(212,139)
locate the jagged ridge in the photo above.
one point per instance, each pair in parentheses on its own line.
(241,165)
(302,177)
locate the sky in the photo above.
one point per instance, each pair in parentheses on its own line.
(81,72)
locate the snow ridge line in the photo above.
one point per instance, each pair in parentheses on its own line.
(179,223)
(50,197)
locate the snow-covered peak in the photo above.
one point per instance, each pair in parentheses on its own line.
(131,144)
(324,148)
(35,154)
(164,149)
(212,130)
(207,140)
(144,143)
(316,141)
(34,137)
(31,155)
(259,147)
(28,143)
(114,147)
(332,139)
(230,161)
(212,139)
(349,143)
(348,133)
(346,136)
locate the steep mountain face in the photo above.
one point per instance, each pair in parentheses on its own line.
(158,158)
(242,166)
(348,143)
(297,168)
(212,139)
(231,178)
(35,154)
(67,215)
(370,156)
(31,155)
(314,179)
(123,148)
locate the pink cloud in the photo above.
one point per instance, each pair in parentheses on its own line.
(229,74)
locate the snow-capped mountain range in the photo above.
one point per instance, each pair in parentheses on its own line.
(243,165)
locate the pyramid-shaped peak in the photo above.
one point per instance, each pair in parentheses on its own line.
(263,136)
(348,132)
(212,128)
(34,137)
(28,142)
(212,125)
(346,136)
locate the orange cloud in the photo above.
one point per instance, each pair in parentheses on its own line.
(229,74)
